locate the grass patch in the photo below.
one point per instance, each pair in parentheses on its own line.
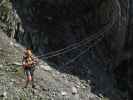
(19,71)
(104,98)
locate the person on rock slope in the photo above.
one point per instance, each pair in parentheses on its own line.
(28,63)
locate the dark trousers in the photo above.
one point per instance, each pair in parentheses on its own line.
(30,72)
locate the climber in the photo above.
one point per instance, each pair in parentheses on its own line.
(28,64)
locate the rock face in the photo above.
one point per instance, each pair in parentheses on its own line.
(43,25)
(129,45)
(50,25)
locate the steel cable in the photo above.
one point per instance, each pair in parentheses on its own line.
(83,52)
(67,50)
(88,40)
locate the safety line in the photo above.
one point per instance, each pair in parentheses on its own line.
(83,52)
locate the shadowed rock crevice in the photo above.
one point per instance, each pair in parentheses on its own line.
(55,22)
